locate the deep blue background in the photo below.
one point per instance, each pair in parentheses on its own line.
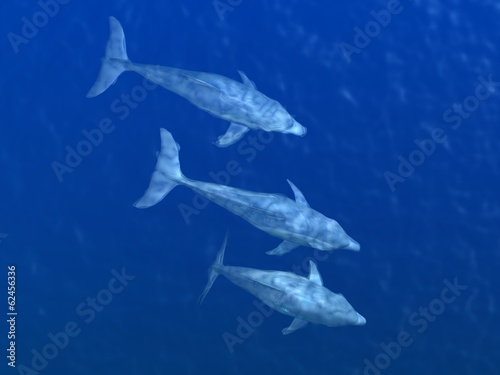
(441,223)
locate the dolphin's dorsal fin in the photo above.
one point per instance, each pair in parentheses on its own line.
(299,197)
(314,275)
(296,324)
(246,80)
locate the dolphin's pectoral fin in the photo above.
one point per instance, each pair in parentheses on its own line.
(283,248)
(246,80)
(296,324)
(232,135)
(314,275)
(299,197)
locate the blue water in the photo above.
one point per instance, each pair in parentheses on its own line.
(432,225)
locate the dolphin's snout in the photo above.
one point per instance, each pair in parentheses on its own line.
(297,129)
(361,320)
(353,245)
(302,130)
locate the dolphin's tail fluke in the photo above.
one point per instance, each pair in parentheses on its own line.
(113,62)
(167,174)
(214,270)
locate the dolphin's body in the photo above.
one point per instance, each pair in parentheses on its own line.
(293,221)
(239,103)
(305,299)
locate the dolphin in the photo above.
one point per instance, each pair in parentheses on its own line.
(291,220)
(305,299)
(239,103)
